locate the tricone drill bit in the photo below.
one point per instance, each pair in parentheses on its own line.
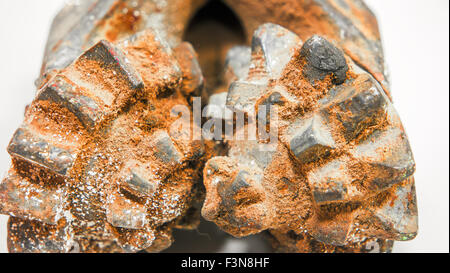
(97,168)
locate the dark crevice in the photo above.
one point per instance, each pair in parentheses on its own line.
(213,31)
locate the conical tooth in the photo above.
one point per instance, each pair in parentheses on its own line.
(124,213)
(156,63)
(332,230)
(106,73)
(242,203)
(110,57)
(140,180)
(193,80)
(332,183)
(25,236)
(237,63)
(358,107)
(242,95)
(67,39)
(251,152)
(278,95)
(60,90)
(217,171)
(277,45)
(399,215)
(165,149)
(30,146)
(187,146)
(234,197)
(272,48)
(229,192)
(363,47)
(21,198)
(389,153)
(322,59)
(312,141)
(217,107)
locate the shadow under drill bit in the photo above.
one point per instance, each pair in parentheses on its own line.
(208,238)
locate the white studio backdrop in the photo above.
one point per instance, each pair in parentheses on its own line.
(415,34)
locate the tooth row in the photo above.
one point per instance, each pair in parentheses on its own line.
(64,184)
(338,167)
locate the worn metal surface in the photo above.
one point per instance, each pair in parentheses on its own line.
(341,157)
(96,169)
(101,127)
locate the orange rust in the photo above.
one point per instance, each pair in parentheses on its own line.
(305,18)
(122,20)
(366,20)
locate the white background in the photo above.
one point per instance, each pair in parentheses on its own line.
(416,42)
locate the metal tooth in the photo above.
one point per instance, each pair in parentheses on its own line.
(365,48)
(21,198)
(188,61)
(30,146)
(334,191)
(69,29)
(322,59)
(112,58)
(359,108)
(238,62)
(65,93)
(336,95)
(233,176)
(312,141)
(214,175)
(251,152)
(165,148)
(277,96)
(389,152)
(333,231)
(242,193)
(124,213)
(330,183)
(399,214)
(228,192)
(170,70)
(274,98)
(25,236)
(183,143)
(217,107)
(242,96)
(278,46)
(140,181)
